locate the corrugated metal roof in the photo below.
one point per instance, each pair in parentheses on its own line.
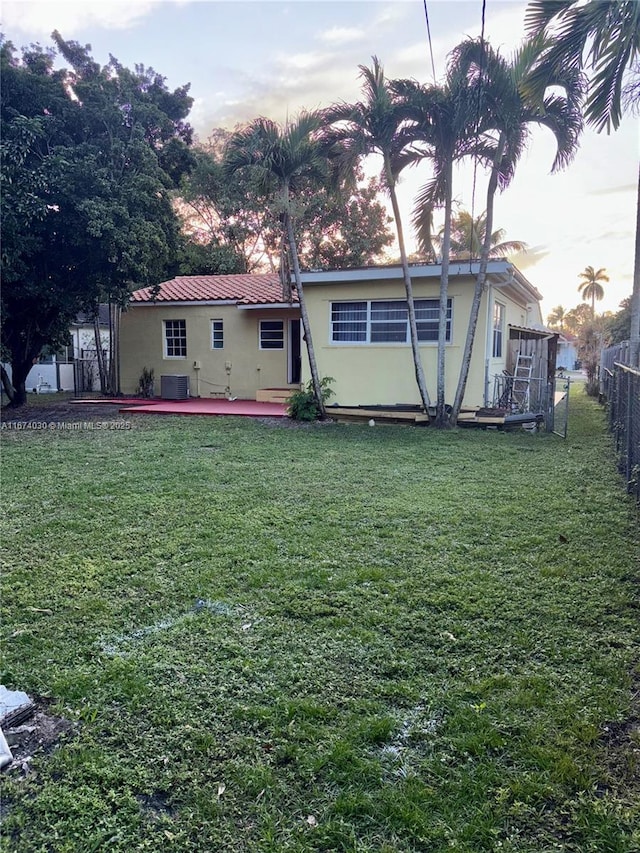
(246,289)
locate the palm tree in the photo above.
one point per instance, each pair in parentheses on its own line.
(283,161)
(510,112)
(591,288)
(604,37)
(557,317)
(444,133)
(378,125)
(468,236)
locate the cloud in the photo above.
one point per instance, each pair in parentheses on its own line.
(36,19)
(341,35)
(530,258)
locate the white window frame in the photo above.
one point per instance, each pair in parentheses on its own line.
(497,330)
(260,338)
(368,324)
(217,329)
(173,337)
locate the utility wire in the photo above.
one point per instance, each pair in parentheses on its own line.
(433,65)
(475,159)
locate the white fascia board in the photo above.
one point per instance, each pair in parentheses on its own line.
(396,273)
(181,303)
(279,305)
(521,284)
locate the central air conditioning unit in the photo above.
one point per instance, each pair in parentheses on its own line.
(174,387)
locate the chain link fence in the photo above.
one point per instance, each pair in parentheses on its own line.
(620,390)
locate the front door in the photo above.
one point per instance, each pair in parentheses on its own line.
(295,359)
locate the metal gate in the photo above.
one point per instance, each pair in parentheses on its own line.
(561,391)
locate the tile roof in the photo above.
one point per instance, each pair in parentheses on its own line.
(246,289)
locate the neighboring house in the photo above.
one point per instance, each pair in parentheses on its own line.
(74,368)
(83,346)
(568,356)
(230,335)
(234,335)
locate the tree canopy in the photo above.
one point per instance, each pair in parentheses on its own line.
(230,219)
(88,160)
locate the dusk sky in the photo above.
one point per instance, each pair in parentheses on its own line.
(245,59)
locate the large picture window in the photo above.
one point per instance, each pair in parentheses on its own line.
(386,321)
(175,338)
(271,334)
(498,329)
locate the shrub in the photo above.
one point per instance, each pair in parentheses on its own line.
(146,382)
(303,405)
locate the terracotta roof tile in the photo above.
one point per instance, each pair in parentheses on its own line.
(247,289)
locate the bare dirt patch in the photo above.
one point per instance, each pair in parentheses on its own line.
(37,734)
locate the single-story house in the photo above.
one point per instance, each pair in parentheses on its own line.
(235,335)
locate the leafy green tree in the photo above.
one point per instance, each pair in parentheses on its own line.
(333,229)
(509,112)
(281,159)
(345,228)
(88,161)
(379,124)
(228,212)
(602,36)
(618,326)
(577,318)
(212,258)
(591,286)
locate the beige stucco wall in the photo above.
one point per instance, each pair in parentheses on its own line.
(384,373)
(142,345)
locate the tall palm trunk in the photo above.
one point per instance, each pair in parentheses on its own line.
(411,310)
(441,416)
(306,326)
(480,283)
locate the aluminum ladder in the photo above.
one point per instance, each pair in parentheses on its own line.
(521,388)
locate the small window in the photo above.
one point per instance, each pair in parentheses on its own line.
(498,329)
(175,338)
(271,334)
(217,334)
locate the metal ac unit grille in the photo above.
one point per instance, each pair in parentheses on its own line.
(174,387)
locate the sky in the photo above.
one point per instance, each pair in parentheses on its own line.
(272,58)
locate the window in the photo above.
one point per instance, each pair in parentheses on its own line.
(386,321)
(498,329)
(217,335)
(428,319)
(271,334)
(349,321)
(175,338)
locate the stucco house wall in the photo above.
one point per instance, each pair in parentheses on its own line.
(238,368)
(367,373)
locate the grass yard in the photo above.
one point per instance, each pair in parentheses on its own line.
(332,638)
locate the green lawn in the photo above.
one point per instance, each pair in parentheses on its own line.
(333,638)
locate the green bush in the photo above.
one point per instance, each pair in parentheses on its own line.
(303,405)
